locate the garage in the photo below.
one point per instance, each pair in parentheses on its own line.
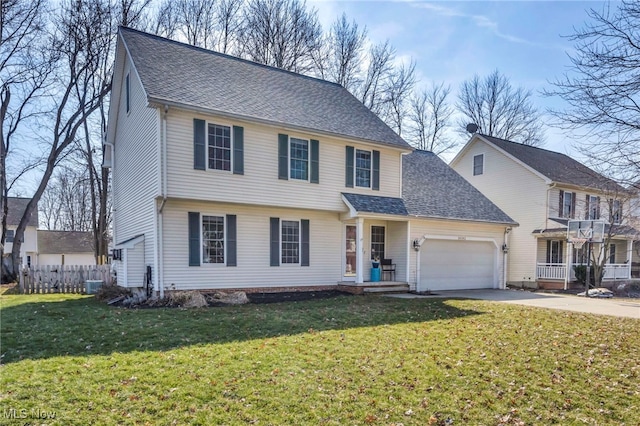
(457,265)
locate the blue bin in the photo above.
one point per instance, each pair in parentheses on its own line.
(375,275)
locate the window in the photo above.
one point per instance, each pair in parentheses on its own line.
(127,93)
(616,211)
(612,253)
(567,204)
(593,207)
(219,147)
(299,159)
(9,236)
(580,255)
(377,242)
(554,251)
(212,239)
(478,164)
(363,168)
(290,241)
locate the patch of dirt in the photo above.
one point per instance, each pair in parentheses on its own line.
(294,296)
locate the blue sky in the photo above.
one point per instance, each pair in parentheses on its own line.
(450,41)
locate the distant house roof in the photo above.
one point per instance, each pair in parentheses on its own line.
(375,204)
(192,77)
(430,188)
(555,166)
(64,242)
(17,206)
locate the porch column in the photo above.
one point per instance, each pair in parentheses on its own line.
(359,250)
(629,257)
(569,258)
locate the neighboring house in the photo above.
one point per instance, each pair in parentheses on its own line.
(543,190)
(65,248)
(29,248)
(229,174)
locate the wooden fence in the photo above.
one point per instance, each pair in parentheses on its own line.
(62,278)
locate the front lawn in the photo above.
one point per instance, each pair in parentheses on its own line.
(341,361)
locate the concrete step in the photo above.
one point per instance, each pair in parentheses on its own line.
(399,288)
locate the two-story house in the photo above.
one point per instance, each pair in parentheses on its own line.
(229,174)
(543,190)
(29,248)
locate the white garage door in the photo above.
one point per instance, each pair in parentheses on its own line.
(457,265)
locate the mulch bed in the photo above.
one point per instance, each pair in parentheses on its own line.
(294,296)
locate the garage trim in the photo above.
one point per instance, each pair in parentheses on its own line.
(417,244)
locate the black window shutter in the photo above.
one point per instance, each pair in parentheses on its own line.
(349,167)
(238,150)
(375,178)
(304,250)
(573,205)
(561,204)
(194,239)
(560,251)
(315,161)
(232,245)
(199,152)
(598,208)
(275,241)
(283,156)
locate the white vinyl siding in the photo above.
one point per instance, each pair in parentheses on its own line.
(261,169)
(521,194)
(136,168)
(253,242)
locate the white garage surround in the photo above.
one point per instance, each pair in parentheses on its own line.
(457,263)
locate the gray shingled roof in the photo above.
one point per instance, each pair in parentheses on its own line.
(16,207)
(63,242)
(194,77)
(555,166)
(375,204)
(430,188)
(618,230)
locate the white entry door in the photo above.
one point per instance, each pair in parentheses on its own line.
(351,245)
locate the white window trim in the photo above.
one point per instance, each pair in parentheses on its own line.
(224,221)
(473,161)
(299,242)
(231,145)
(371,238)
(355,168)
(308,179)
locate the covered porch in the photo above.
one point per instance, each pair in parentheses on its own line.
(556,259)
(375,252)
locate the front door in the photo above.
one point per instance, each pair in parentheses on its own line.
(350,252)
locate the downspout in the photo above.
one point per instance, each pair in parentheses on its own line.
(163,193)
(505,257)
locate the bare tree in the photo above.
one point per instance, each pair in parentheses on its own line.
(66,202)
(499,109)
(80,40)
(281,33)
(344,46)
(25,66)
(380,65)
(602,88)
(429,117)
(397,91)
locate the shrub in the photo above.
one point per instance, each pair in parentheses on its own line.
(581,274)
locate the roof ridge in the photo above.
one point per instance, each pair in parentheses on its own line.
(227,56)
(529,146)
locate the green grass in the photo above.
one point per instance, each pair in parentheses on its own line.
(348,360)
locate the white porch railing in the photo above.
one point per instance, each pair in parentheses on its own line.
(558,271)
(551,271)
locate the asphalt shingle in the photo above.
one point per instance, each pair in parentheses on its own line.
(375,204)
(16,207)
(63,242)
(430,188)
(555,166)
(178,73)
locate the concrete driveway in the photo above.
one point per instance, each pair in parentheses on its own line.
(629,308)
